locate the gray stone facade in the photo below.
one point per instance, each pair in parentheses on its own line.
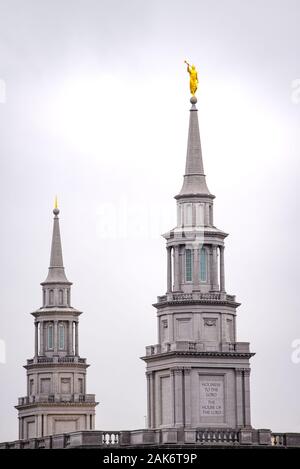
(56,400)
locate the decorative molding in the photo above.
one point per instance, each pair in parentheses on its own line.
(164,323)
(210,322)
(177,370)
(197,353)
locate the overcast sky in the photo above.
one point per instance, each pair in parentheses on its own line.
(94,103)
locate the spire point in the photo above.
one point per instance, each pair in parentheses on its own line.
(56,209)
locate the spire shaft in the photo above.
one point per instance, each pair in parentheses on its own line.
(194,183)
(56,269)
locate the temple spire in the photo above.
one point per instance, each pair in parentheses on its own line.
(194,183)
(56,272)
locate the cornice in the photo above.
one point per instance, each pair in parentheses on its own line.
(197,354)
(161,305)
(55,365)
(56,404)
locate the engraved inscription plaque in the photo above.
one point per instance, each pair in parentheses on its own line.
(212,397)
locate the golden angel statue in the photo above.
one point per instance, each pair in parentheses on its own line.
(193,77)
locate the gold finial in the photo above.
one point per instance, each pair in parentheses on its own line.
(193,78)
(55,202)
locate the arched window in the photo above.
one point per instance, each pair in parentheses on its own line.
(203,265)
(51,297)
(61,297)
(188,265)
(50,336)
(44,297)
(61,336)
(68,297)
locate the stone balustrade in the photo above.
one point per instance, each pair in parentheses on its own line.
(200,346)
(195,296)
(56,359)
(56,398)
(218,436)
(193,438)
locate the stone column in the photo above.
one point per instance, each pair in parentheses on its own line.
(176,268)
(36,339)
(222,270)
(211,270)
(41,337)
(152,400)
(169,269)
(39,425)
(149,404)
(178,378)
(76,339)
(20,428)
(187,397)
(55,337)
(239,397)
(173,416)
(215,282)
(247,413)
(55,383)
(70,338)
(196,266)
(206,214)
(211,215)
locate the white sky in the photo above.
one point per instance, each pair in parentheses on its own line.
(96,111)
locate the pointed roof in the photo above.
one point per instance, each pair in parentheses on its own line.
(194,183)
(56,272)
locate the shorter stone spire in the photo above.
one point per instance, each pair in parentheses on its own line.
(56,272)
(194,183)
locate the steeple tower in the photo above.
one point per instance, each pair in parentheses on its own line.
(197,373)
(56,400)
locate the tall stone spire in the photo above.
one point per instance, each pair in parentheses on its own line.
(56,272)
(57,399)
(194,183)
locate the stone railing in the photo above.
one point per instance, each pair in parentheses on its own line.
(200,346)
(193,438)
(228,437)
(278,439)
(42,360)
(56,398)
(110,438)
(195,296)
